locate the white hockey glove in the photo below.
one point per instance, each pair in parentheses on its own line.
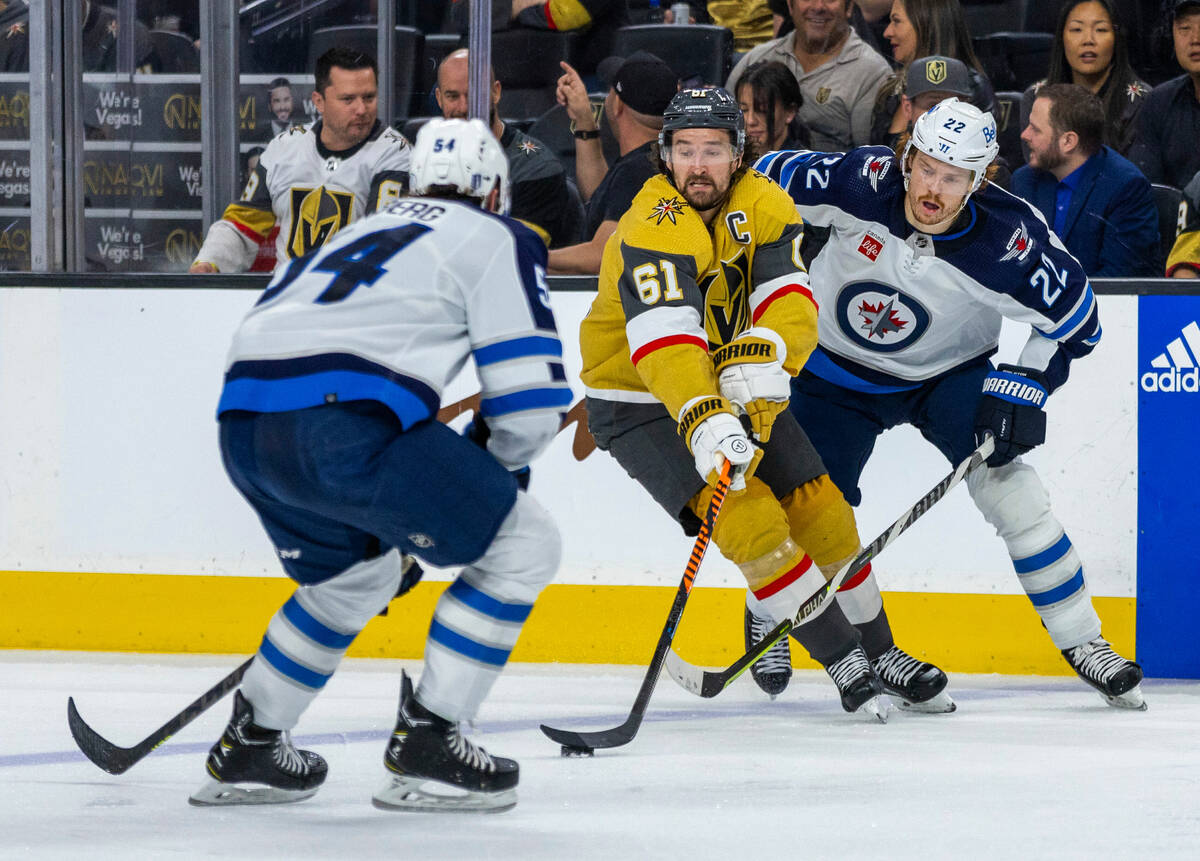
(751,374)
(714,434)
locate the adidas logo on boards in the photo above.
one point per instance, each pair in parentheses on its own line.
(1177,369)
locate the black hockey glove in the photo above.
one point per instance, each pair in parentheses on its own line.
(479,433)
(1012,409)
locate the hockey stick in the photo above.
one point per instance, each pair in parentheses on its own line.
(118,760)
(623,734)
(709,683)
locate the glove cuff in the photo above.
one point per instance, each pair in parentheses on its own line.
(1017,385)
(758,345)
(699,409)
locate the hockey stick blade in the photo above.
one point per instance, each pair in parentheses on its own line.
(624,733)
(709,683)
(118,760)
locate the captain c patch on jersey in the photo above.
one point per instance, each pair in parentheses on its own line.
(880,318)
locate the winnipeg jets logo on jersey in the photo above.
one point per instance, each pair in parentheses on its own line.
(880,318)
(1019,245)
(875,170)
(666,209)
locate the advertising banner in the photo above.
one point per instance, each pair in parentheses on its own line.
(1168,599)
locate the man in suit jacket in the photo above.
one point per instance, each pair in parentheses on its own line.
(1098,203)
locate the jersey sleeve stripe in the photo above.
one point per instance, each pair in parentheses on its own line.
(759,305)
(1076,320)
(519,348)
(558,397)
(668,341)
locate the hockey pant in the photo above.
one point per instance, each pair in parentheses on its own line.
(1015,503)
(786,549)
(474,628)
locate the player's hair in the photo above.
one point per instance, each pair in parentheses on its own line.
(342,58)
(941,29)
(771,84)
(1076,109)
(277,83)
(989,173)
(1120,79)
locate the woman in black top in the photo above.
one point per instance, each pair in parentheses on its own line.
(769,98)
(1090,50)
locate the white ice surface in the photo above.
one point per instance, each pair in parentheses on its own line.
(1027,768)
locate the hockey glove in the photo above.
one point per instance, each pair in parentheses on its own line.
(1012,409)
(750,373)
(713,435)
(479,433)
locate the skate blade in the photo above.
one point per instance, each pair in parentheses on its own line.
(218,794)
(935,705)
(414,794)
(876,707)
(1131,700)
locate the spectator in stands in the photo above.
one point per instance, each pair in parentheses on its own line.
(770,99)
(838,73)
(100,35)
(1168,127)
(537,181)
(14,36)
(600,18)
(1184,259)
(640,88)
(1090,49)
(282,105)
(1098,203)
(316,179)
(925,28)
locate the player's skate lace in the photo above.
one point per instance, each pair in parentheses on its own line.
(465,751)
(287,757)
(1097,663)
(854,666)
(776,659)
(897,668)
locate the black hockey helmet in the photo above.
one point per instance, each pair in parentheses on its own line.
(704,108)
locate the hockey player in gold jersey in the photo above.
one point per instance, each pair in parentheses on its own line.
(703,314)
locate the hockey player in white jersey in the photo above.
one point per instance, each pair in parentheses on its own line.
(311,181)
(329,430)
(924,259)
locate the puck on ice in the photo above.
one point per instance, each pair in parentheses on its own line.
(571,750)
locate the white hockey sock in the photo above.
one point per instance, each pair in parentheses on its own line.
(307,638)
(860,597)
(479,617)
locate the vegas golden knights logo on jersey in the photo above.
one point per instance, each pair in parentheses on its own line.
(317,214)
(727,299)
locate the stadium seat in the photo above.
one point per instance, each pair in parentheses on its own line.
(526,65)
(1167,199)
(698,53)
(1013,60)
(176,52)
(1008,127)
(410,45)
(553,128)
(992,16)
(437,47)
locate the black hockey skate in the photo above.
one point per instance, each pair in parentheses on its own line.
(773,670)
(918,685)
(428,749)
(253,765)
(1117,679)
(858,684)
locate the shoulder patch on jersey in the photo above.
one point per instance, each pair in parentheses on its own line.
(667,208)
(875,169)
(1019,245)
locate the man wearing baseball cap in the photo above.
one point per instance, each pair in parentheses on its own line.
(640,87)
(1168,126)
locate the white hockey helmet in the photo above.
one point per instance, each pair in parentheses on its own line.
(956,133)
(461,154)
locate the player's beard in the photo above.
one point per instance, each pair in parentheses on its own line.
(704,196)
(928,219)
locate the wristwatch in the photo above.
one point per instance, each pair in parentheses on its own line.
(587,135)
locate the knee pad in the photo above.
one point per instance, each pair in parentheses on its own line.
(353,597)
(523,557)
(822,522)
(752,524)
(1012,499)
